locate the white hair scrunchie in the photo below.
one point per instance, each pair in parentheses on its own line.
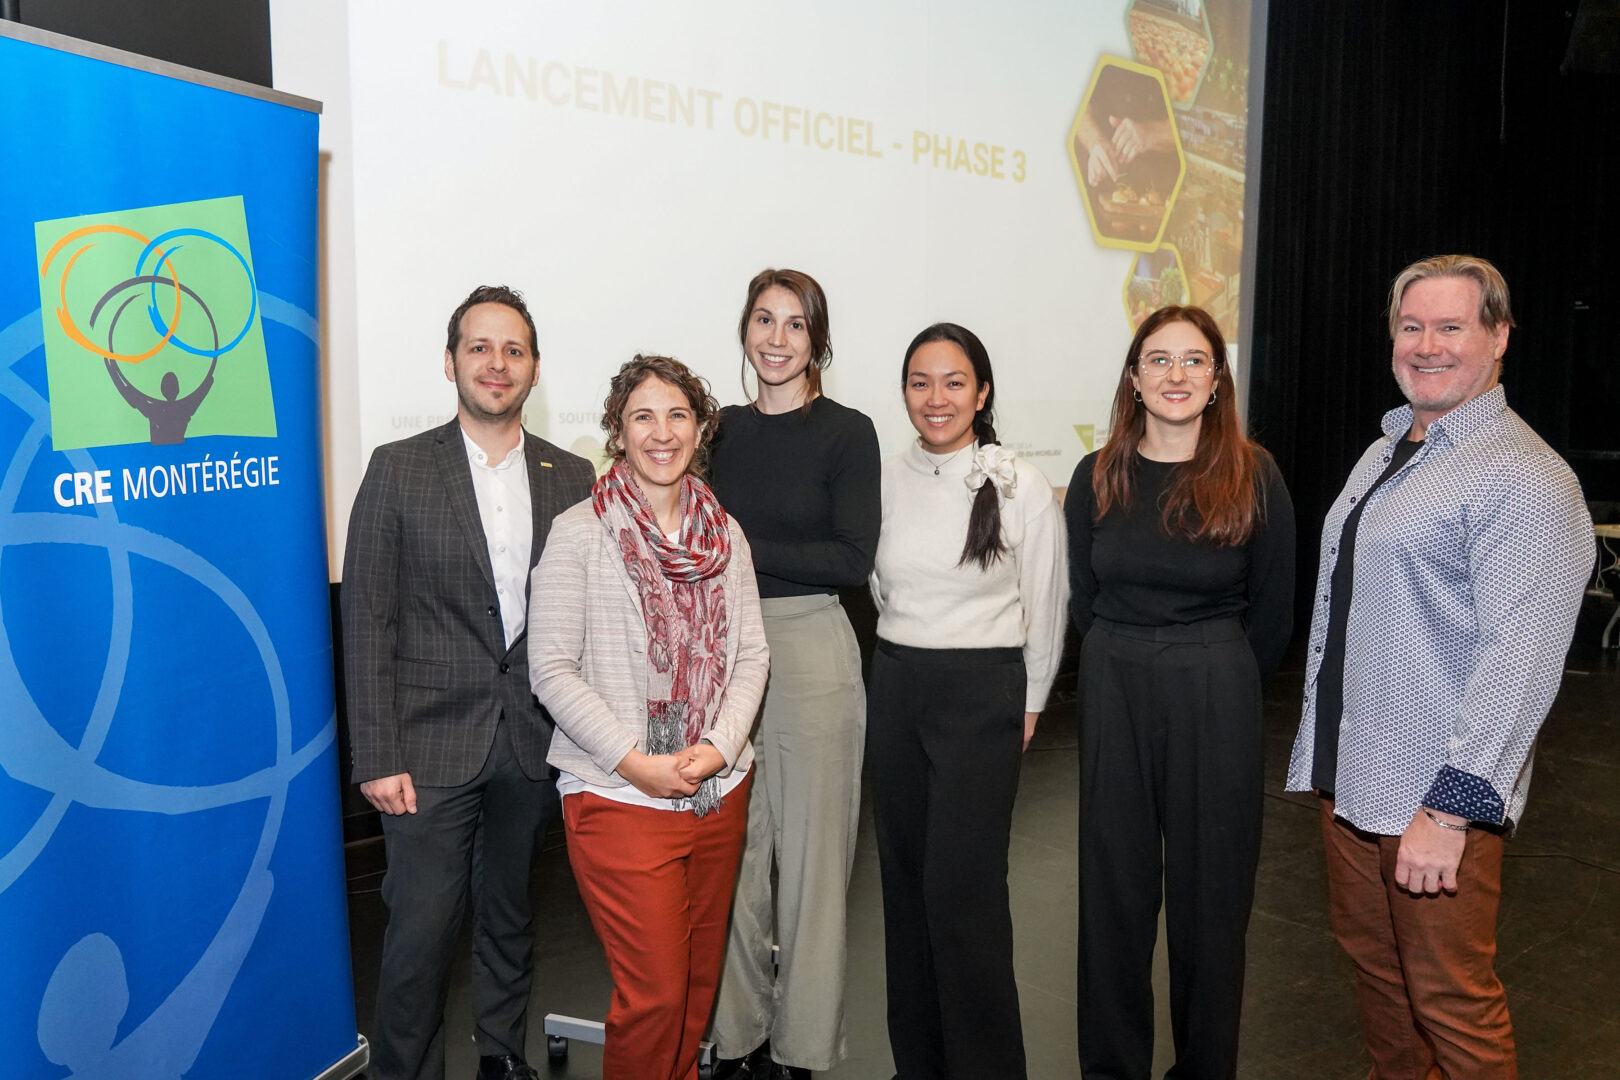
(994,462)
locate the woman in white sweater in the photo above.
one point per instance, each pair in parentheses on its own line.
(970,585)
(647,647)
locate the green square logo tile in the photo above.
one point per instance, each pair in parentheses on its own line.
(152,330)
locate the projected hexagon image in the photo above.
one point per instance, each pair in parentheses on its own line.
(1206,227)
(1157,278)
(1173,36)
(1126,154)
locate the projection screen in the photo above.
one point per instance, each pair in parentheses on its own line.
(630,165)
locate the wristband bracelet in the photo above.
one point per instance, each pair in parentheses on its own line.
(1444,824)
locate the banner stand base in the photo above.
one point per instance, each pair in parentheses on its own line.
(559,1029)
(351,1063)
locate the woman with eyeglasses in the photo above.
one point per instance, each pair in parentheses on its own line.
(970,590)
(1181,567)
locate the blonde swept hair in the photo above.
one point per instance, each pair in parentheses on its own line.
(1493,290)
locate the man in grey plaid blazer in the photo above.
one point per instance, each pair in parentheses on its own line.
(448,740)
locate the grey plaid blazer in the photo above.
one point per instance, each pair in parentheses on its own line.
(425,660)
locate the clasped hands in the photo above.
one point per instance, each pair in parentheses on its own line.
(669,776)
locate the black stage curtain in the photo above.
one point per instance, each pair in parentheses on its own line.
(1399,129)
(227,38)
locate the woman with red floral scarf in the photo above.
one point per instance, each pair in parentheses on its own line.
(647,648)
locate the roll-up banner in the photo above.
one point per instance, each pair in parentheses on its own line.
(171,871)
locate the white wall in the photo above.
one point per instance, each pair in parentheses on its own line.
(310,40)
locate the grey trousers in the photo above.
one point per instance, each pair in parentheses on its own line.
(802,818)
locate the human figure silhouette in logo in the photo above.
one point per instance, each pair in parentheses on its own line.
(170,413)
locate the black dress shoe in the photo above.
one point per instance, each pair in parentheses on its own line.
(505,1067)
(756,1065)
(788,1072)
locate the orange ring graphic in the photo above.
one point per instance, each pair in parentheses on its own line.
(70,328)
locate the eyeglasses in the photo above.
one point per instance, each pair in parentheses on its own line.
(1194,365)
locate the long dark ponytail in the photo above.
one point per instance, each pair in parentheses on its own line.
(983,545)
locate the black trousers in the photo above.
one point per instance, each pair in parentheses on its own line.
(1171,763)
(478,838)
(944,740)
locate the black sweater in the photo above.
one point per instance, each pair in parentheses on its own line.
(804,488)
(1128,569)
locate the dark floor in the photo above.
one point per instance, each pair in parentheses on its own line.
(1559,936)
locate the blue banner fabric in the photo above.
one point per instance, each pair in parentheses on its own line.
(171,872)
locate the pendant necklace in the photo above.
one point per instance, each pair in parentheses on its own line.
(941,464)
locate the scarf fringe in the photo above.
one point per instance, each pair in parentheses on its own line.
(666,734)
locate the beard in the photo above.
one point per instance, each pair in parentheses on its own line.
(467,390)
(1461,384)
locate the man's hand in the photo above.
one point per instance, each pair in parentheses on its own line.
(699,762)
(393,795)
(1029,727)
(658,775)
(1429,854)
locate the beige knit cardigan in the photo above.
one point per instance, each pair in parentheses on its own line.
(588,651)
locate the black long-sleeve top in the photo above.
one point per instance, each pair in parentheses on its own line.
(804,488)
(1128,569)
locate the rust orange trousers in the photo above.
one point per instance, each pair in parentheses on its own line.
(657,885)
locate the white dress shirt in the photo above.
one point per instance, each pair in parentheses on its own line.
(508,520)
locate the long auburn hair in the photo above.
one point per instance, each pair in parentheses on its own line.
(983,544)
(1215,497)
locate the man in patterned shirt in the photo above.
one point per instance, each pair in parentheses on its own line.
(1452,570)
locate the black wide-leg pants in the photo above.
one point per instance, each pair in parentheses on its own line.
(945,738)
(1171,763)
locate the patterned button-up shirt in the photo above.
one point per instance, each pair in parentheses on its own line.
(1470,567)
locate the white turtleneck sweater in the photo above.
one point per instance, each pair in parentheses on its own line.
(928,601)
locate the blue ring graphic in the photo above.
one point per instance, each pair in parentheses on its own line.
(152,310)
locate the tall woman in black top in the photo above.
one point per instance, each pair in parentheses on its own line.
(1181,566)
(799,472)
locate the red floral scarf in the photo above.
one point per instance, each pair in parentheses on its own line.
(683,604)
